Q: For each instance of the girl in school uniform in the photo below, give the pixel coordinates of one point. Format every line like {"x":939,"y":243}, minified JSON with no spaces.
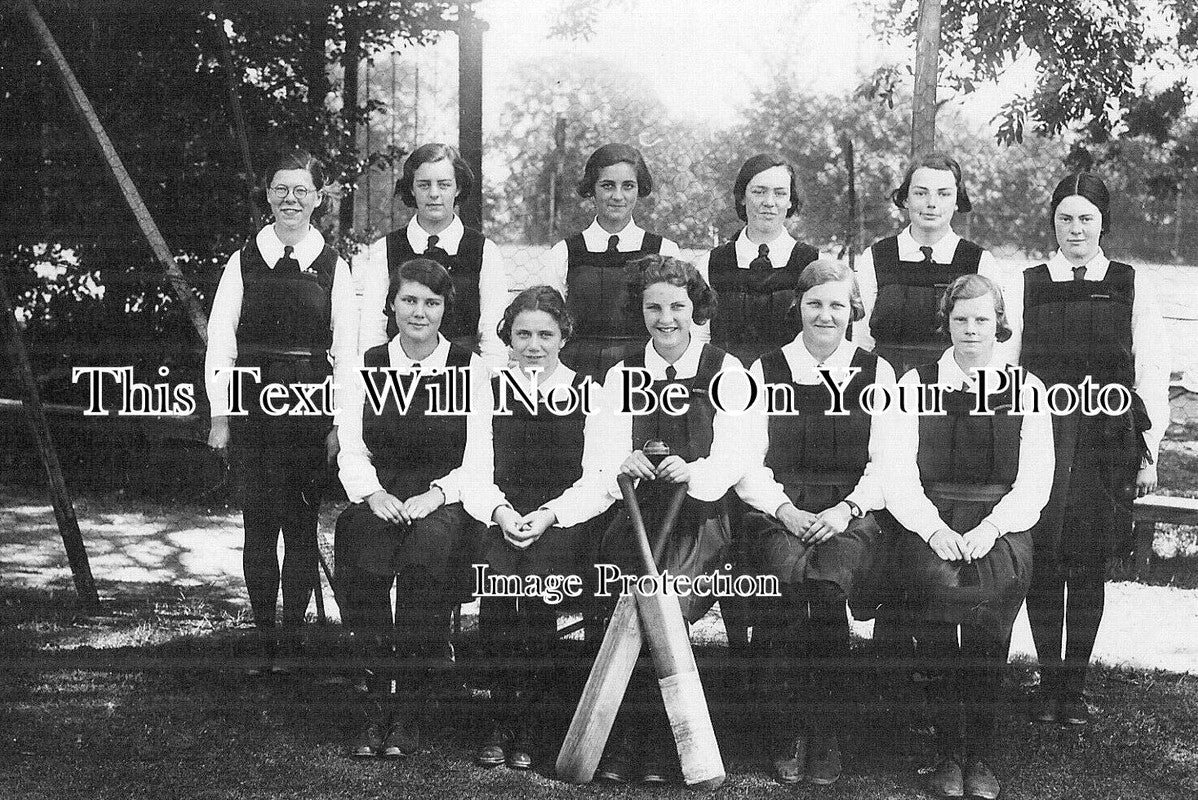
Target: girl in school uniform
{"x":588,"y":267}
{"x":754,"y":274}
{"x":404,"y":470}
{"x":967,"y":488}
{"x":704,"y":453}
{"x":814,"y":482}
{"x":1088,"y":316}
{"x":434,"y":181}
{"x":902,"y":277}
{"x":537,"y":510}
{"x":285,"y":306}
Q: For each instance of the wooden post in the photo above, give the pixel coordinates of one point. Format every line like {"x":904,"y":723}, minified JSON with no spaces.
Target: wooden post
{"x":470,"y":107}
{"x":99,"y":137}
{"x":64,"y":510}
{"x":237,"y":118}
{"x":351,"y":62}
{"x":850,"y":226}
{"x":927,"y":58}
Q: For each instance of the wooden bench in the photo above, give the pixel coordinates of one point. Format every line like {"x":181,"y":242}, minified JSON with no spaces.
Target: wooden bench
{"x":1153,"y":509}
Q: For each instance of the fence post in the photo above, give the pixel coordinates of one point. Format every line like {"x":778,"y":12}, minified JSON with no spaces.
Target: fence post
{"x":927,"y":57}
{"x":470,"y":106}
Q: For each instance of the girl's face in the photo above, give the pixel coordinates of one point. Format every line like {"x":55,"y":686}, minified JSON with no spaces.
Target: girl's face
{"x":825,"y":311}
{"x":767,"y":199}
{"x":1078,"y":224}
{"x":932,"y":201}
{"x":669,"y":315}
{"x":436,"y":190}
{"x":973,"y":325}
{"x":418,"y":313}
{"x":536,"y":340}
{"x":293,"y":212}
{"x":616,"y":195}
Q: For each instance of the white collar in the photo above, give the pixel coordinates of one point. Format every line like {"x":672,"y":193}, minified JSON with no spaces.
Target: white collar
{"x":1061,"y":268}
{"x":631,"y":237}
{"x":803,"y":365}
{"x":780,"y":249}
{"x":687,"y":366}
{"x":448,"y":239}
{"x":563,"y":375}
{"x":435,"y":360}
{"x":305,"y":252}
{"x":949,"y":372}
{"x":942,"y":251}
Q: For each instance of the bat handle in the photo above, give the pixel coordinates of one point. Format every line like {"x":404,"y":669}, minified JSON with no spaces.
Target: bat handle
{"x":667,"y":523}
{"x":640,"y":538}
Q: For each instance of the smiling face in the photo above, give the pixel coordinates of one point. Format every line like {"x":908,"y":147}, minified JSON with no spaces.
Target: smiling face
{"x":931,"y":203}
{"x":293,"y":213}
{"x":436,"y":189}
{"x":615,"y":196}
{"x":1078,"y":224}
{"x":536,"y":341}
{"x":973,"y":325}
{"x":826,"y":311}
{"x":767,"y":199}
{"x":418,"y":313}
{"x":669,"y":315}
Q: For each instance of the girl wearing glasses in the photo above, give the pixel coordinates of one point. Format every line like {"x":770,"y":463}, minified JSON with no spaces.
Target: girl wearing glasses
{"x":284,"y":306}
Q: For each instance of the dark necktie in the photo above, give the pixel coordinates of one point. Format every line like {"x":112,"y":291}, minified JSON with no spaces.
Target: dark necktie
{"x":671,"y":373}
{"x":927,"y":254}
{"x":762,"y":262}
{"x":1079,"y":273}
{"x":287,"y":263}
{"x":432,"y":243}
{"x":613,"y":242}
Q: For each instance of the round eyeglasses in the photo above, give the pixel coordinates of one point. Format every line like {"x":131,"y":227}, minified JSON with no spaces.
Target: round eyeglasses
{"x":300,"y":192}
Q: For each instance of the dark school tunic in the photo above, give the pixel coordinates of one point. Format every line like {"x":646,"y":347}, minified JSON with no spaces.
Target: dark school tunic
{"x":605,"y":329}
{"x":754,"y":302}
{"x":409,"y":451}
{"x":700,"y":539}
{"x":1074,"y":329}
{"x":285,"y":331}
{"x":464,"y":268}
{"x":819,"y":459}
{"x":903,"y":320}
{"x":967,"y":463}
{"x":537,"y":458}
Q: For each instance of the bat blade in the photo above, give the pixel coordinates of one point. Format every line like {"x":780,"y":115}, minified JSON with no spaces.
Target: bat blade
{"x":681,"y":689}
{"x":602,"y":695}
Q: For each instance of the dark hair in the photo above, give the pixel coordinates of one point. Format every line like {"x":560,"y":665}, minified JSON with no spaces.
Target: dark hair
{"x":424,"y":271}
{"x":1087,"y":185}
{"x":428,"y":153}
{"x":755,"y":166}
{"x":819,"y":272}
{"x":651,"y":269}
{"x":608,"y":155}
{"x":969,"y":287}
{"x":940,"y":161}
{"x":537,"y":298}
{"x":296,"y":158}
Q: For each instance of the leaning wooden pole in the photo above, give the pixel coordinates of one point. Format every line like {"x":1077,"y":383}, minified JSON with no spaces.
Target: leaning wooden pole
{"x":83,"y":106}
{"x":64,"y":510}
{"x":927,"y":69}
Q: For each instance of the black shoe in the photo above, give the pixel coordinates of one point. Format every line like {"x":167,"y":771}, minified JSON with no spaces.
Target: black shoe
{"x":403,"y":737}
{"x":617,"y":764}
{"x":947,"y":778}
{"x":494,"y":749}
{"x":656,"y":770}
{"x":1074,"y":710}
{"x":789,"y":758}
{"x":980,"y":780}
{"x":824,"y":767}
{"x":519,"y":751}
{"x":367,"y":742}
{"x":1044,"y":707}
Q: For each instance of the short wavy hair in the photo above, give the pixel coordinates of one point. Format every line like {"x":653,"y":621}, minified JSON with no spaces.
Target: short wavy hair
{"x":969,"y":287}
{"x":608,"y":155}
{"x":940,"y":161}
{"x":427,"y":154}
{"x":753,"y":167}
{"x":297,"y":158}
{"x":537,"y":298}
{"x":651,"y":269}
{"x":819,"y":272}
{"x":423,"y":271}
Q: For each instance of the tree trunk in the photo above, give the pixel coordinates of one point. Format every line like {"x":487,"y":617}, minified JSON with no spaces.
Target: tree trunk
{"x":316,"y":61}
{"x":470,"y":107}
{"x":927,"y":56}
{"x":350,"y":63}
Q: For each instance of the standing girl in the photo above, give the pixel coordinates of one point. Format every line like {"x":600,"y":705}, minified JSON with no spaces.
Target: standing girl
{"x":435,"y":180}
{"x":1088,"y":316}
{"x":284,"y":306}
{"x":967,"y":488}
{"x":404,"y":468}
{"x":545,"y":491}
{"x":588,"y":267}
{"x":902,"y":277}
{"x":814,"y":481}
{"x":704,"y":453}
{"x":755,"y":273}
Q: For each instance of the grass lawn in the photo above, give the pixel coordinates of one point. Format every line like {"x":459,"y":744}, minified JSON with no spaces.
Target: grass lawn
{"x":150,"y":701}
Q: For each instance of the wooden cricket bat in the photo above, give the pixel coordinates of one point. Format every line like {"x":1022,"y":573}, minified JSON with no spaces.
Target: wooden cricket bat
{"x":674,"y":662}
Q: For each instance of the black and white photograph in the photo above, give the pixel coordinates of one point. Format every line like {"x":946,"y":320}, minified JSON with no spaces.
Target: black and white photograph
{"x":599,"y":398}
